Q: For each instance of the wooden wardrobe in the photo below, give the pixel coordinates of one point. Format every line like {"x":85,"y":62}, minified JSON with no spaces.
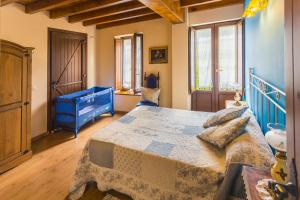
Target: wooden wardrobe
{"x":15,"y":104}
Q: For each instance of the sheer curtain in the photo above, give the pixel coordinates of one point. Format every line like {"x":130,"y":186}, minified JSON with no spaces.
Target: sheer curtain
{"x":227,"y":58}
{"x":216,"y":52}
{"x":126,"y":69}
{"x":203,"y":59}
{"x":138,"y":63}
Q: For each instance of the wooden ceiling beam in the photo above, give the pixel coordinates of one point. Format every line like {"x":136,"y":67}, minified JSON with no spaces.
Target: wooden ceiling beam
{"x":102,"y":12}
{"x":6,"y":2}
{"x":118,"y":17}
{"x":129,"y":21}
{"x":168,"y":9}
{"x":42,"y":5}
{"x":189,"y":3}
{"x":218,"y":4}
{"x":83,"y":7}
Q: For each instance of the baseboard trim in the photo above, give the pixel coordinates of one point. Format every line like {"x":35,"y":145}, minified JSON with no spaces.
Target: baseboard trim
{"x":121,"y":112}
{"x":14,"y":163}
{"x":39,"y":136}
{"x":48,"y":132}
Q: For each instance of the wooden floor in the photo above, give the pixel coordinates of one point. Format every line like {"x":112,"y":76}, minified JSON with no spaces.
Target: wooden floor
{"x":48,"y":174}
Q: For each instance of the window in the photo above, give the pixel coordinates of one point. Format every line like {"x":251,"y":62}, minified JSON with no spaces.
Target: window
{"x":228,"y":57}
{"x":129,"y":62}
{"x":216,"y":57}
{"x":203,"y":61}
{"x":215,"y":64}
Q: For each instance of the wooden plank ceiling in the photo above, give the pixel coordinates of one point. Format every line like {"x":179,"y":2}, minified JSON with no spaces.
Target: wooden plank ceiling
{"x":108,"y":13}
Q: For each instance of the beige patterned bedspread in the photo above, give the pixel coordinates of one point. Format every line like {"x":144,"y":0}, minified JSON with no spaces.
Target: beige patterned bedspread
{"x":152,"y":153}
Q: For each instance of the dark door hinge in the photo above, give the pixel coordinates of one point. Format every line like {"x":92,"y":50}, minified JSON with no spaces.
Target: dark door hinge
{"x":26,"y":54}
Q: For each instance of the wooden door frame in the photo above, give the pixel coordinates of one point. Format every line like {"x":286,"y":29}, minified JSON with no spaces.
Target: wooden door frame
{"x":135,"y":36}
{"x":215,"y":75}
{"x":213,"y":59}
{"x":84,"y":65}
{"x":292,"y":90}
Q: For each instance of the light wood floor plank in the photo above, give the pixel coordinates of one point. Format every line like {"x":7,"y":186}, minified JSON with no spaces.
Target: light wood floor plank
{"x":49,"y":173}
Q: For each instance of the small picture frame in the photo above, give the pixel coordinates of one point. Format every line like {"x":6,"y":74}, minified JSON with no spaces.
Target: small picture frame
{"x":158,"y":55}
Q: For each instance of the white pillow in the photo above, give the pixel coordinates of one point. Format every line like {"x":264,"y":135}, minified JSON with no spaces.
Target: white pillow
{"x":149,"y":94}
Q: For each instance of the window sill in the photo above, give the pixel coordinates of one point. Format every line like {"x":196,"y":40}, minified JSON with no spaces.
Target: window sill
{"x":128,"y":93}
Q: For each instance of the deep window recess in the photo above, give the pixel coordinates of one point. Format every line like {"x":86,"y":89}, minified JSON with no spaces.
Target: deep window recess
{"x":129,"y":63}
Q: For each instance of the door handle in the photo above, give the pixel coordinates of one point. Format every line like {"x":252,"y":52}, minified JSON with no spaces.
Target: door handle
{"x":219,"y":70}
{"x":26,"y":103}
{"x":53,"y":84}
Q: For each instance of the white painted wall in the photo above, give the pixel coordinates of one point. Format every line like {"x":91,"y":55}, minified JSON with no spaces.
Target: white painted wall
{"x":32,"y":31}
{"x":216,"y":15}
{"x":155,"y":33}
{"x":126,"y":103}
{"x":180,"y":92}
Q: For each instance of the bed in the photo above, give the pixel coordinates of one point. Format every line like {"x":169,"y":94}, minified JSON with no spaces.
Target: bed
{"x":153,"y":153}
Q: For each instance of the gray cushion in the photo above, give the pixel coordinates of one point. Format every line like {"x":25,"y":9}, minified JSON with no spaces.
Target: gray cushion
{"x":223,"y":134}
{"x":149,"y":94}
{"x":225,"y":115}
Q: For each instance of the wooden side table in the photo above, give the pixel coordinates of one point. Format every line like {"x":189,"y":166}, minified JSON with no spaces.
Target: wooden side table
{"x":250,"y":177}
{"x":230,"y":103}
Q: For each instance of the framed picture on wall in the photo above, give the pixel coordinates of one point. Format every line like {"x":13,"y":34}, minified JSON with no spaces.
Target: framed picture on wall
{"x":158,"y":55}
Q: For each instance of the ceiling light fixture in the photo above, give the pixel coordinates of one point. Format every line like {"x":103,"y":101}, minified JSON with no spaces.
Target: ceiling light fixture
{"x":254,"y":7}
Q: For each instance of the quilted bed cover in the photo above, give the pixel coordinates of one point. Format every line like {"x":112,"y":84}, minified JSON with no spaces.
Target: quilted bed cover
{"x":153,"y":153}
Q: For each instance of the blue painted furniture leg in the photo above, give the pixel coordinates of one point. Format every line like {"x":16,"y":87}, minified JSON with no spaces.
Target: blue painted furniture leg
{"x":76,"y":133}
{"x":112,"y":112}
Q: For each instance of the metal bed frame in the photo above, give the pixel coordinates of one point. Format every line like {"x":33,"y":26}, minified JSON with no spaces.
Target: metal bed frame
{"x":265,"y":100}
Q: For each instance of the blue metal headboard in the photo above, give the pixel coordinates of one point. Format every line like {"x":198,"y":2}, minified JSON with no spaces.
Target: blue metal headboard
{"x":267,"y":102}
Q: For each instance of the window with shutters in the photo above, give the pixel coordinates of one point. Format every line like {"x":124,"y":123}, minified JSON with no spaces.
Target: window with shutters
{"x":129,"y":63}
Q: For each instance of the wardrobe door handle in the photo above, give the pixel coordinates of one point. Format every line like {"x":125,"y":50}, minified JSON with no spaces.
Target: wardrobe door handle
{"x":26,"y":103}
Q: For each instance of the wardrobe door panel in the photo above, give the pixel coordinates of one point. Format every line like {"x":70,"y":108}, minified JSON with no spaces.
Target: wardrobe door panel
{"x":11,"y":79}
{"x":10,"y":133}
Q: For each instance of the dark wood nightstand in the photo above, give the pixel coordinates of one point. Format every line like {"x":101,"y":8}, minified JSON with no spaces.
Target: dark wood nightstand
{"x":250,"y":177}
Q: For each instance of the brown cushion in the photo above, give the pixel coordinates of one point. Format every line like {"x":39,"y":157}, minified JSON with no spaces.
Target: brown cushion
{"x":221,"y":135}
{"x":225,"y":115}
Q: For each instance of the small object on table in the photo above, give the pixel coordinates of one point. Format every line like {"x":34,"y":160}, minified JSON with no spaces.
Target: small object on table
{"x":260,"y":186}
{"x":268,"y":189}
{"x":125,"y":92}
{"x":237,"y":98}
{"x":264,"y":190}
{"x":251,"y":176}
{"x":238,"y":93}
{"x":232,"y":103}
